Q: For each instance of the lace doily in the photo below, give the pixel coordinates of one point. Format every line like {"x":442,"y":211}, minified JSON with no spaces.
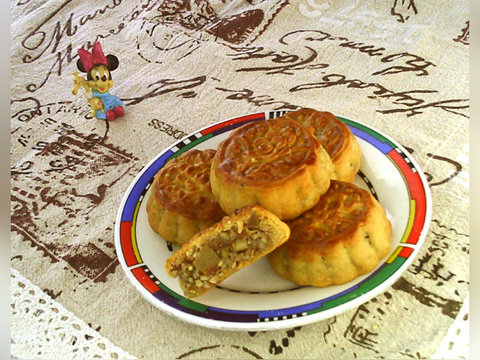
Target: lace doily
{"x":42,"y":328}
{"x":455,"y":345}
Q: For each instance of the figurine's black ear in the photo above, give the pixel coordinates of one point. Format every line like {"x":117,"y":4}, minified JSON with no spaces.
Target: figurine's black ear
{"x":112,"y":62}
{"x":80,"y":66}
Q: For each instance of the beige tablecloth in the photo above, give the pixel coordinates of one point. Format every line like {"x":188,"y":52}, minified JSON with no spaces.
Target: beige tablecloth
{"x":400,"y":66}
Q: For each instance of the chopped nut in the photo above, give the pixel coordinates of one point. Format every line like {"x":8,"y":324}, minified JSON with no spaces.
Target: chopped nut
{"x":206,"y":258}
{"x":240,"y":245}
{"x":239,"y":226}
{"x":224,"y":253}
{"x":223,"y":236}
{"x":253,"y":221}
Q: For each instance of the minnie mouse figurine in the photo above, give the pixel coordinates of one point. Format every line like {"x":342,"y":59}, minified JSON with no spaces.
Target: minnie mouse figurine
{"x":99,"y":80}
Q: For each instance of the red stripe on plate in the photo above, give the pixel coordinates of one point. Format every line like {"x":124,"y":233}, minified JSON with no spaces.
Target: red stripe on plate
{"x":405,"y":252}
{"x":143,"y":278}
{"x":420,"y":202}
{"x":126,"y":242}
{"x":233,"y":121}
{"x":417,"y":193}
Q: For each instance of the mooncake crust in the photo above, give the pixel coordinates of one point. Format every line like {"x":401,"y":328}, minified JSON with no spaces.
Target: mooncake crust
{"x":342,"y":237}
{"x":181,"y":202}
{"x":337,"y":139}
{"x":183,"y":185}
{"x":277,"y":164}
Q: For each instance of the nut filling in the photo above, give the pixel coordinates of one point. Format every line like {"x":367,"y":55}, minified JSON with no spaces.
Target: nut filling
{"x":219,"y":251}
{"x":228,"y":251}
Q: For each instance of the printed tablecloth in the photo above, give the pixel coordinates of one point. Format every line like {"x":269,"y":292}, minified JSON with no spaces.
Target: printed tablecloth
{"x":400,"y":66}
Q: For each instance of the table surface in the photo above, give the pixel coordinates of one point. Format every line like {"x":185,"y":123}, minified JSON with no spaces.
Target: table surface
{"x":399,"y":66}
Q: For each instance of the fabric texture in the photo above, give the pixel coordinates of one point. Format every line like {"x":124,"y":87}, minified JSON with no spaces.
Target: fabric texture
{"x":400,"y":66}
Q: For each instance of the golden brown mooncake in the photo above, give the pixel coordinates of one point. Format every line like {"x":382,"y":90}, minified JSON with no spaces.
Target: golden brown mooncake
{"x":335,"y":137}
{"x":277,"y":164}
{"x":226,"y":247}
{"x":343,"y":236}
{"x":181,"y":202}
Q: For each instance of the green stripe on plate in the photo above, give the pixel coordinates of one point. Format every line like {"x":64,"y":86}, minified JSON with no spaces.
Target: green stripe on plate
{"x":191,"y":145}
{"x":183,"y":301}
{"x":193,"y":305}
{"x":364,"y":287}
{"x":368,"y":131}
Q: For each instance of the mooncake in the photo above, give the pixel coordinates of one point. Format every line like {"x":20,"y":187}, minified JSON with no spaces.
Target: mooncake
{"x":181,"y":202}
{"x":277,"y":164}
{"x":343,"y":236}
{"x":335,"y":137}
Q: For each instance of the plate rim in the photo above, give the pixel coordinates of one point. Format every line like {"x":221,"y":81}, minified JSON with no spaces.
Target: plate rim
{"x":284,"y":323}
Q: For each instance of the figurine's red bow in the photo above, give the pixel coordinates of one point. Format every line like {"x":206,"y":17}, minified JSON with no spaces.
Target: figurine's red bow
{"x":96,"y":57}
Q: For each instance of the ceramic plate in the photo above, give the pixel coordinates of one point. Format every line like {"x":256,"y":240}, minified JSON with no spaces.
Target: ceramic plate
{"x":256,"y":298}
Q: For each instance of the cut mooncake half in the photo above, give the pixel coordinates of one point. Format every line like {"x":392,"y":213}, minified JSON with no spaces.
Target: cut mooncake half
{"x":277,"y":164}
{"x":223,"y":249}
{"x":181,"y":202}
{"x":343,"y":236}
{"x":335,"y":137}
